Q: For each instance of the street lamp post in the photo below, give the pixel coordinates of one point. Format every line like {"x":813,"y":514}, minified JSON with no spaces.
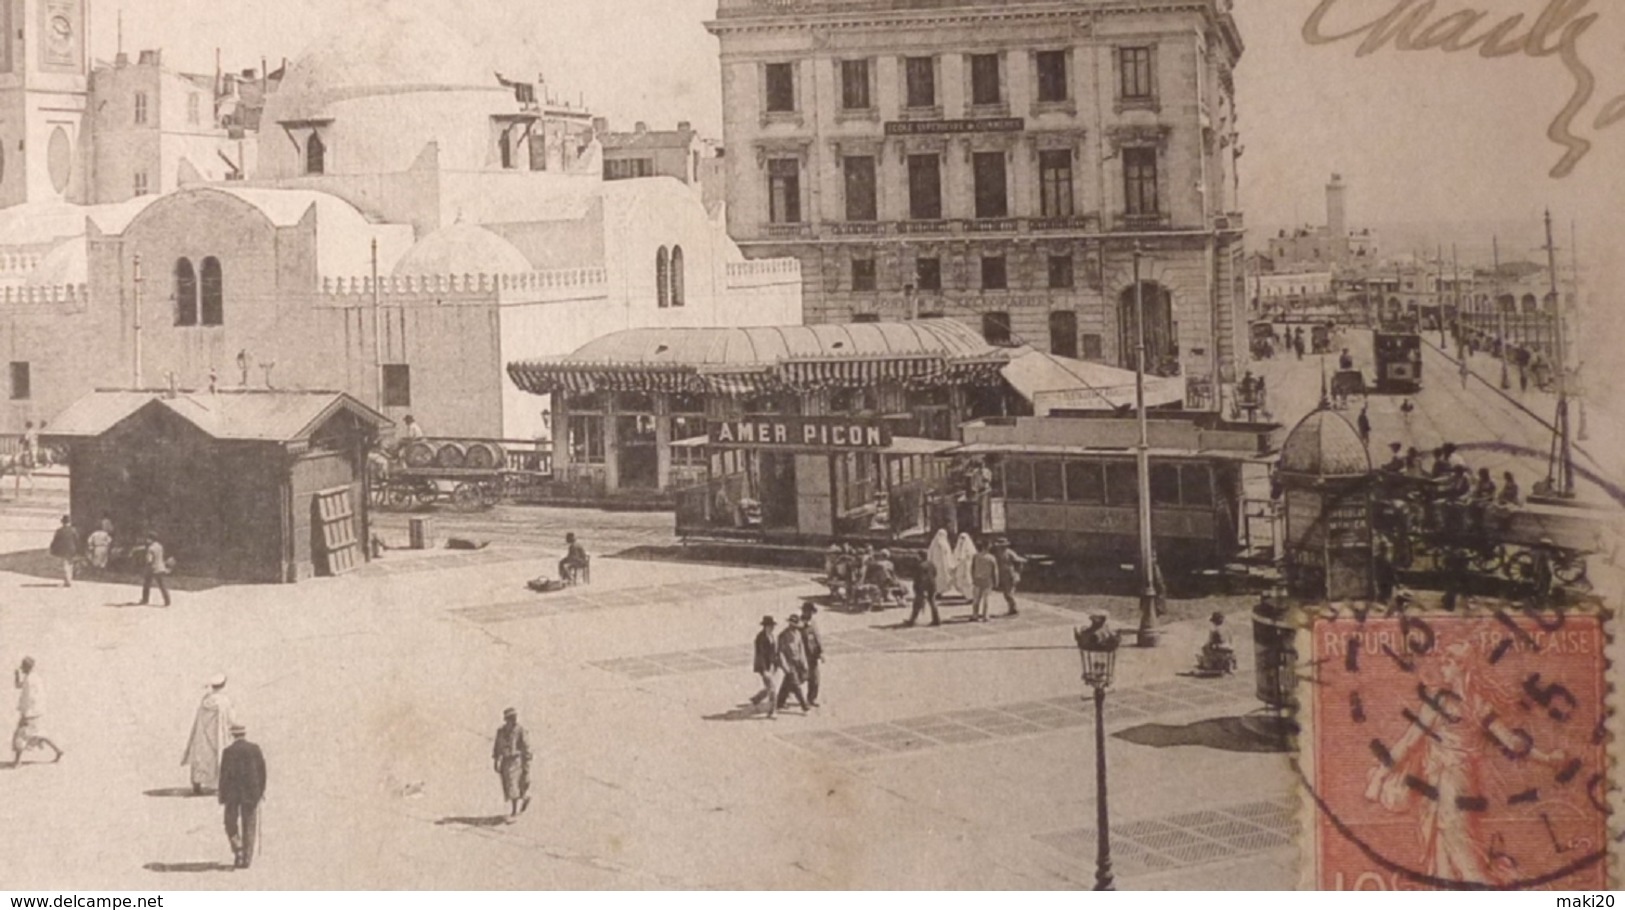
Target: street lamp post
{"x":1142,"y":458}
{"x":1097,"y":648}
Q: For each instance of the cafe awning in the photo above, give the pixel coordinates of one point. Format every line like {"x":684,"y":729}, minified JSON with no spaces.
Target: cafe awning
{"x":1051,"y":383}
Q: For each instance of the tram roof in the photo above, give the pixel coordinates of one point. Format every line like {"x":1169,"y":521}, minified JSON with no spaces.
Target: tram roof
{"x":1062,"y":451}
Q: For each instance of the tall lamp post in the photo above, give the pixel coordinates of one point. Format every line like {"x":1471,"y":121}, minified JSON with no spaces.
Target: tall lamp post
{"x":1097,"y":647}
{"x":1142,"y":460}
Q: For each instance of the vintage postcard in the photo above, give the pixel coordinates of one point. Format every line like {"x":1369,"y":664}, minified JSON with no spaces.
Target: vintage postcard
{"x":811,"y":444}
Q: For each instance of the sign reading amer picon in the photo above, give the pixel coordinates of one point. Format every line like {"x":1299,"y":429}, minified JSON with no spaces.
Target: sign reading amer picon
{"x":845,"y":433}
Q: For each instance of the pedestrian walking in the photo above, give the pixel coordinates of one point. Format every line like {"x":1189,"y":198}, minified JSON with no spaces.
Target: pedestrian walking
{"x":1406,"y":409}
{"x":30,"y":734}
{"x":211,"y":730}
{"x":65,"y":547}
{"x":99,"y":545}
{"x":242,"y":789}
{"x":1363,"y":424}
{"x":510,"y":758}
{"x":766,"y":666}
{"x":1464,"y":370}
{"x":813,"y":645}
{"x":984,"y":571}
{"x":926,"y":573}
{"x":1010,"y":563}
{"x":793,"y":661}
{"x":155,"y":568}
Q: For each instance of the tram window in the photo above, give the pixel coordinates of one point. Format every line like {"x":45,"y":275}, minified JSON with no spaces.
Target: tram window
{"x":1165,"y":485}
{"x":1196,"y":486}
{"x":1018,"y":480}
{"x":1085,"y":482}
{"x":1047,"y":484}
{"x":1122,"y":484}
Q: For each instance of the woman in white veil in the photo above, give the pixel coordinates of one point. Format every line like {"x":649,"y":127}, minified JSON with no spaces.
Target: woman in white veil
{"x":940,"y":556}
{"x":963,"y":552}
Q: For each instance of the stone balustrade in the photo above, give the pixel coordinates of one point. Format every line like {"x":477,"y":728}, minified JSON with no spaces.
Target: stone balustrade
{"x":396,"y":290}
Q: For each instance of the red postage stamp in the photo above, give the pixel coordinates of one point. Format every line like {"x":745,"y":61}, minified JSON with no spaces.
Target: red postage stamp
{"x":1457,"y":751}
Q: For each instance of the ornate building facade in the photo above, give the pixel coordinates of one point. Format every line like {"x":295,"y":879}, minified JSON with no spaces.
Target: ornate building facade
{"x":997,"y":162}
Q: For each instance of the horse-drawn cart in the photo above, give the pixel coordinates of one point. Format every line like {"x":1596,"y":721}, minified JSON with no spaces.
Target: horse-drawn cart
{"x":469,"y":474}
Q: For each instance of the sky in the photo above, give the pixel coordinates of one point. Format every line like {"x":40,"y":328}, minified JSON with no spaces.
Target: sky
{"x":1451,"y":147}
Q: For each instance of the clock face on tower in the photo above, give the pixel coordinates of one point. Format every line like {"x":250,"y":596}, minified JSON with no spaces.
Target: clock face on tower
{"x":59,"y":39}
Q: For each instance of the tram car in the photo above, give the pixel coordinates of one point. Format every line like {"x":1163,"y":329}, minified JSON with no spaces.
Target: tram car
{"x":1068,"y":487}
{"x":1398,"y":358}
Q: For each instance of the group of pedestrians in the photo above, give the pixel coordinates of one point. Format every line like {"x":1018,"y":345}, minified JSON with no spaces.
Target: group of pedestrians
{"x":96,"y":552}
{"x":974,"y":573}
{"x":788,"y":659}
{"x":222,"y":761}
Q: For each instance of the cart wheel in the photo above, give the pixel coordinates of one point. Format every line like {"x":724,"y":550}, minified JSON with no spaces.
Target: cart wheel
{"x":425,"y":492}
{"x":466,"y":497}
{"x":490,"y":493}
{"x":1520,"y":567}
{"x":1491,"y":560}
{"x":1570,"y":569}
{"x":399,"y":496}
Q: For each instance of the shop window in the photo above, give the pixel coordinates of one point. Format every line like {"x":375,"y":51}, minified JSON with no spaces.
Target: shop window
{"x":1122,"y":484}
{"x":315,"y":154}
{"x":1047,"y":481}
{"x":1165,"y":485}
{"x":924,"y":187}
{"x":212,"y":308}
{"x":662,"y":278}
{"x":863,"y":275}
{"x":985,"y":79}
{"x":920,"y":74}
{"x":928,"y":273}
{"x":586,"y":439}
{"x":634,"y":402}
{"x":994,"y":274}
{"x":1140,"y":181}
{"x":679,"y":289}
{"x":1060,"y":272}
{"x":185,"y":292}
{"x":1018,"y":480}
{"x":1055,"y":182}
{"x":996,"y":328}
{"x":588,"y":402}
{"x":992,"y":197}
{"x":860,"y":188}
{"x":686,"y":403}
{"x":22,"y":385}
{"x":1052,"y":81}
{"x":855,"y":85}
{"x":784,"y":190}
{"x":1085,"y":482}
{"x":781,"y":88}
{"x":397,"y":381}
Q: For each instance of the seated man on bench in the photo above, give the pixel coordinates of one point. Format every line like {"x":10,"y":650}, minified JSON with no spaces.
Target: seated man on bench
{"x":576,"y":566}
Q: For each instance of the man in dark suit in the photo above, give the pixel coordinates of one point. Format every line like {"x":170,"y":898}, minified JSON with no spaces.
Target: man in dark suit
{"x":814,"y":647}
{"x":242,"y":786}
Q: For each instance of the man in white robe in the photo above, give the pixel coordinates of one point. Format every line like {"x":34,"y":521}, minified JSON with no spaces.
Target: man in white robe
{"x":209,"y":736}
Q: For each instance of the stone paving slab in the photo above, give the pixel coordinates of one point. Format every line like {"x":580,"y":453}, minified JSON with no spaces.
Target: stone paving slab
{"x":577,"y":600}
{"x":1187,"y":839}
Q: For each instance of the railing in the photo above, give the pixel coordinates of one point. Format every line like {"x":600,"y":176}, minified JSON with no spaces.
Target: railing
{"x":1150,"y":221}
{"x":395,"y":289}
{"x":763,"y":272}
{"x":1089,"y":223}
{"x":54,"y":294}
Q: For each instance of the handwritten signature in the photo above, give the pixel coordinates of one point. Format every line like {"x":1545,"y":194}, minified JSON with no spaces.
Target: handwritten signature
{"x":1416,"y":26}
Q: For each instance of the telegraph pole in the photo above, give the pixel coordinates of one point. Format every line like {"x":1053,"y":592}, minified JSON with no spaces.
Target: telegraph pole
{"x":1562,"y":474}
{"x":1142,"y":459}
{"x":377,"y":335}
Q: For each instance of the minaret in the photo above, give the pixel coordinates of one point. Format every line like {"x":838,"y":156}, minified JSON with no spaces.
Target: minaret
{"x":1337,"y":224}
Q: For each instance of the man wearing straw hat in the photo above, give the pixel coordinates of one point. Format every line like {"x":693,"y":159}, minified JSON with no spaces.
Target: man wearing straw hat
{"x":242,"y":787}
{"x":210,"y":731}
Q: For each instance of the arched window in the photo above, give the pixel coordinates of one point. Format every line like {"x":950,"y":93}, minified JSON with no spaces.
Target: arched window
{"x":678,"y":291}
{"x":185,"y":292}
{"x":213,"y":304}
{"x":663,"y":278}
{"x":315,"y":155}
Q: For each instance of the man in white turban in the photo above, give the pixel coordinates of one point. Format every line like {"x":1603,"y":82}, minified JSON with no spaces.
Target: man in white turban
{"x":209,"y":736}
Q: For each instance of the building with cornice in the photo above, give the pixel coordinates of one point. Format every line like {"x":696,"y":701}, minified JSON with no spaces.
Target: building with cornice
{"x":997,"y":161}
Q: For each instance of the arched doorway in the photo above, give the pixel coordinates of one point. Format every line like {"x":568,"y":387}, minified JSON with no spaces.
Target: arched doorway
{"x":1161,"y":337}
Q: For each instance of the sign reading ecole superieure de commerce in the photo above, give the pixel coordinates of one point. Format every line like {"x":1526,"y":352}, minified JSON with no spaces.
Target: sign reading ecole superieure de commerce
{"x":800,"y":433}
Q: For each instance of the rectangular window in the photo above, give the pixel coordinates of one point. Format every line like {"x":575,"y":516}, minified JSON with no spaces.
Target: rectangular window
{"x":141,"y":187}
{"x":1137,"y":75}
{"x":1122,"y":484}
{"x":628,"y":168}
{"x":1063,"y":333}
{"x":1196,"y":486}
{"x":22,"y":386}
{"x":140,"y":107}
{"x":1018,"y":480}
{"x":996,"y":328}
{"x":1094,"y":347}
{"x":984,"y":79}
{"x":924,"y":187}
{"x":928,"y":273}
{"x":865,"y":317}
{"x":855,"y":85}
{"x":994,"y":274}
{"x":1164,"y":485}
{"x":1055,"y":182}
{"x":860,"y":188}
{"x":1052,"y":82}
{"x":781,"y":88}
{"x":1140,"y":181}
{"x":1060,"y":273}
{"x":863,"y":274}
{"x":920,"y":74}
{"x":397,"y":385}
{"x":586,"y":439}
{"x":784,"y":190}
{"x":1085,"y":482}
{"x":992,"y":199}
{"x":1047,"y":484}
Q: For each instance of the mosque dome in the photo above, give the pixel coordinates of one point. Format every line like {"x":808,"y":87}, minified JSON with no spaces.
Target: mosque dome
{"x":463,"y":249}
{"x":1325,"y":444}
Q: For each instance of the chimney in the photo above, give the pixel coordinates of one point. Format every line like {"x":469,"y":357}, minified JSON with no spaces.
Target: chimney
{"x":122,"y":59}
{"x":151,"y":58}
{"x":250,"y":74}
{"x":684,"y":126}
{"x":640,"y":128}
{"x":174,"y":387}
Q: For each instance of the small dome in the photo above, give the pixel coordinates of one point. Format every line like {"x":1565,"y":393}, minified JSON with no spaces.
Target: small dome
{"x":463,"y":249}
{"x":1325,"y":444}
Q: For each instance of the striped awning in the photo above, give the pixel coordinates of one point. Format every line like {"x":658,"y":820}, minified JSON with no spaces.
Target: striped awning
{"x":545,"y":377}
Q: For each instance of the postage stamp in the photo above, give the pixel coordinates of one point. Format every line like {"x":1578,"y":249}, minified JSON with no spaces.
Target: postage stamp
{"x":1444,"y":750}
